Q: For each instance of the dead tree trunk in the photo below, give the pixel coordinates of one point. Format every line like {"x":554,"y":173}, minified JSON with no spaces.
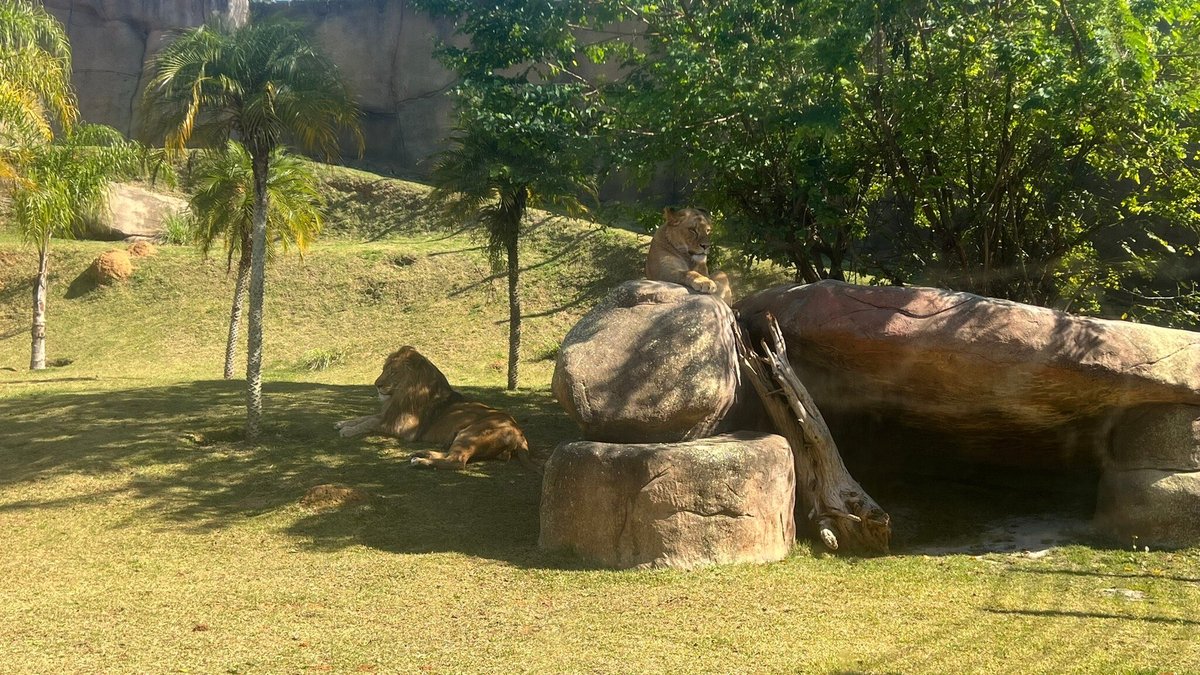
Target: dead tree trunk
{"x":838,"y":510}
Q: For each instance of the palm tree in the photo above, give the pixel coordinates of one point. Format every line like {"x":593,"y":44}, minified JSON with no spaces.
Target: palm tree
{"x":259,"y":85}
{"x":223,"y":204}
{"x":516,"y":145}
{"x":35,"y":81}
{"x":52,"y":180}
{"x":60,"y":182}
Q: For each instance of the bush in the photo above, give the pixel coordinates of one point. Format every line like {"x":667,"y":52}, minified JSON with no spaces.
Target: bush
{"x":179,"y":229}
{"x":321,"y":359}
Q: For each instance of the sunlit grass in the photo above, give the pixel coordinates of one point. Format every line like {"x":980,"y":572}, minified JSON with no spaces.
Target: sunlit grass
{"x":138,"y":533}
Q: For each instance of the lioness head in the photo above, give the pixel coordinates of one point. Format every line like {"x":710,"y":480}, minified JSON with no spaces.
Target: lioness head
{"x":689,"y":231}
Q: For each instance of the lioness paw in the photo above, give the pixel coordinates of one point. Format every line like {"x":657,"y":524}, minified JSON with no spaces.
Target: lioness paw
{"x":705,"y":285}
{"x":420,"y":461}
{"x":347,"y":432}
{"x":343,"y":423}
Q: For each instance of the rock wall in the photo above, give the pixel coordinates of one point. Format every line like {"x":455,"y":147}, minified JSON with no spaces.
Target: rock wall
{"x":111,"y":40}
{"x":384,"y":49}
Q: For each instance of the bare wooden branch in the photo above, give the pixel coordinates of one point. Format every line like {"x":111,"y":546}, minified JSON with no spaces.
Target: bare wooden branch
{"x":839,"y":512}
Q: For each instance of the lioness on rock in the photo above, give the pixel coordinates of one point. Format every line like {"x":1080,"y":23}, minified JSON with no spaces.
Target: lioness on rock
{"x":679,"y":253}
{"x":420,"y":405}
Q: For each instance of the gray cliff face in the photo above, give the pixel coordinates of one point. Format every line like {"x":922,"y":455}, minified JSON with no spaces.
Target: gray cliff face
{"x":383,"y":49}
{"x":111,"y":40}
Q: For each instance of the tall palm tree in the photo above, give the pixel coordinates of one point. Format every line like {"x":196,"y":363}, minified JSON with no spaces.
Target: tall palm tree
{"x":59,"y":183}
{"x":223,"y":203}
{"x":259,"y":85}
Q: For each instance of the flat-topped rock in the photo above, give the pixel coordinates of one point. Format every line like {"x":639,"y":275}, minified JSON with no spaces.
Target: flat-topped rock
{"x":717,"y":500}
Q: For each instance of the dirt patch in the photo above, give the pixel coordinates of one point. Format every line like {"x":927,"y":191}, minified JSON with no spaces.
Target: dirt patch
{"x":332,"y":496}
{"x":112,"y":266}
{"x":141,"y":249}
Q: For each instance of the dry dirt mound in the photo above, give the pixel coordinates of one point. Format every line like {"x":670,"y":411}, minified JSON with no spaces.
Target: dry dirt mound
{"x":332,"y":496}
{"x":112,"y":266}
{"x":142,"y":249}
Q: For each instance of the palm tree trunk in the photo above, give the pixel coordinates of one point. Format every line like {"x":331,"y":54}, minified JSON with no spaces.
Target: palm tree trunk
{"x":258,"y":268}
{"x":235,"y":314}
{"x":37,"y":358}
{"x":514,"y":291}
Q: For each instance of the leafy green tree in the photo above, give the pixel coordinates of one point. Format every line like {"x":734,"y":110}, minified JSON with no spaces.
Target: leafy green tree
{"x":61,"y":182}
{"x":260,"y":85}
{"x":223,"y":206}
{"x":1037,"y":150}
{"x":525,"y":131}
{"x":56,"y":170}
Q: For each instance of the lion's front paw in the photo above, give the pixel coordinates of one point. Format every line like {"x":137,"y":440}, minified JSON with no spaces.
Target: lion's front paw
{"x":420,"y":460}
{"x":341,"y":424}
{"x":347,"y":432}
{"x":705,"y":285}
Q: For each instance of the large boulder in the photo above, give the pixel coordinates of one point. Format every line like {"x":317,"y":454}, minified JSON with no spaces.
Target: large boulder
{"x":723,"y":499}
{"x":1024,"y":381}
{"x":133,"y":213}
{"x":653,"y":362}
{"x":1006,"y":383}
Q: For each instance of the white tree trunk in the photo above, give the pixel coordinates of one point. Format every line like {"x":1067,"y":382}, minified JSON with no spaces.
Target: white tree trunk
{"x":37,"y":358}
{"x":235,"y":314}
{"x":258,"y":269}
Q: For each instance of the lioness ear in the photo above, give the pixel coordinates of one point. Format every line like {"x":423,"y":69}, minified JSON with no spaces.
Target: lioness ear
{"x":669,"y":213}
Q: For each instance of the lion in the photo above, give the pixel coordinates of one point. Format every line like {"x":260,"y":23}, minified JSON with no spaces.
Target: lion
{"x":420,"y":405}
{"x":679,"y":253}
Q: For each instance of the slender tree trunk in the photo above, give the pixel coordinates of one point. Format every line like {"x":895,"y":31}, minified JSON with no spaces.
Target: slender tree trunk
{"x":514,"y":313}
{"x":235,"y":314}
{"x":37,"y":358}
{"x":258,"y":268}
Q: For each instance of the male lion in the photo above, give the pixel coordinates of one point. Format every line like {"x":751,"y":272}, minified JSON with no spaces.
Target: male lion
{"x":679,"y":253}
{"x":420,"y":405}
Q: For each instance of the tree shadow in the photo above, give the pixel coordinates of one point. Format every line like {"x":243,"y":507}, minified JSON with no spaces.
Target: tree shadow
{"x":189,"y":468}
{"x":1059,"y":613}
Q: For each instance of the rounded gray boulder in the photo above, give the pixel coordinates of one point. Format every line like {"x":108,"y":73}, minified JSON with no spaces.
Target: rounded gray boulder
{"x":653,"y":362}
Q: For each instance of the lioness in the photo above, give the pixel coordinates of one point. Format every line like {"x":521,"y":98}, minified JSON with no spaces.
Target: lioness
{"x":679,"y":253}
{"x":420,"y":405}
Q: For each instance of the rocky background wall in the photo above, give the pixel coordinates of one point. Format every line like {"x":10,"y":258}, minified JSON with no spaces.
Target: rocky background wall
{"x":111,"y":40}
{"x":384,"y":49}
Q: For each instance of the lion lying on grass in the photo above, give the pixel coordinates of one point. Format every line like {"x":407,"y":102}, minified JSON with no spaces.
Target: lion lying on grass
{"x":420,"y":405}
{"x":679,"y":253}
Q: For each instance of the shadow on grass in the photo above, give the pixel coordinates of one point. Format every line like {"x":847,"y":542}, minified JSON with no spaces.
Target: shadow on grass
{"x":1057,"y":613}
{"x":180,"y":444}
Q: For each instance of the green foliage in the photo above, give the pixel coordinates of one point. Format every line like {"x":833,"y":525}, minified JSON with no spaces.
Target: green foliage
{"x":1034,"y":150}
{"x":179,"y":229}
{"x":263,"y":84}
{"x":260,"y":85}
{"x":527,"y":125}
{"x":223,"y":201}
{"x":316,"y":360}
{"x":66,"y":179}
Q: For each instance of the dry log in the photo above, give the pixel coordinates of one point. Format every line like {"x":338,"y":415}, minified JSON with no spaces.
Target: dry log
{"x":838,"y":510}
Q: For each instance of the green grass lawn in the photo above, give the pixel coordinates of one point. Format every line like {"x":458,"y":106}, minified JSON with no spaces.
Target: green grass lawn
{"x":139,"y":534}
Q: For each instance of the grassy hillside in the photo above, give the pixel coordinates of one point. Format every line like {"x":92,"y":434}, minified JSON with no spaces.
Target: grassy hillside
{"x":139,"y":534}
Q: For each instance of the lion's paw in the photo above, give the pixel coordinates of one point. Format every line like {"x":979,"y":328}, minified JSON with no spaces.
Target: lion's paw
{"x":705,"y":285}
{"x":341,"y":424}
{"x":347,"y":432}
{"x":420,"y":461}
